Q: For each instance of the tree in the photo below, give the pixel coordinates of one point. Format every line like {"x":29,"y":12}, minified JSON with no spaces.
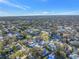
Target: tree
{"x":44,"y":35}
{"x":36,"y":52}
{"x":1,"y":45}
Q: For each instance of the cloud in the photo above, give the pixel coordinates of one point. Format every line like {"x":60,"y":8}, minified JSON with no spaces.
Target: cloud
{"x":54,"y":13}
{"x":2,"y":1}
{"x":68,"y":13}
{"x":5,"y":13}
{"x":1,"y":12}
{"x":63,"y":13}
{"x":14,"y":5}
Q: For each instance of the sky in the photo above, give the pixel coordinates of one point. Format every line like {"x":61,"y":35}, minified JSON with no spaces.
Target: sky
{"x":38,"y":7}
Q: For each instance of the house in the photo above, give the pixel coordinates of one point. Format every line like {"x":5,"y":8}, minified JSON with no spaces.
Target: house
{"x":1,"y":38}
{"x":55,"y":36}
